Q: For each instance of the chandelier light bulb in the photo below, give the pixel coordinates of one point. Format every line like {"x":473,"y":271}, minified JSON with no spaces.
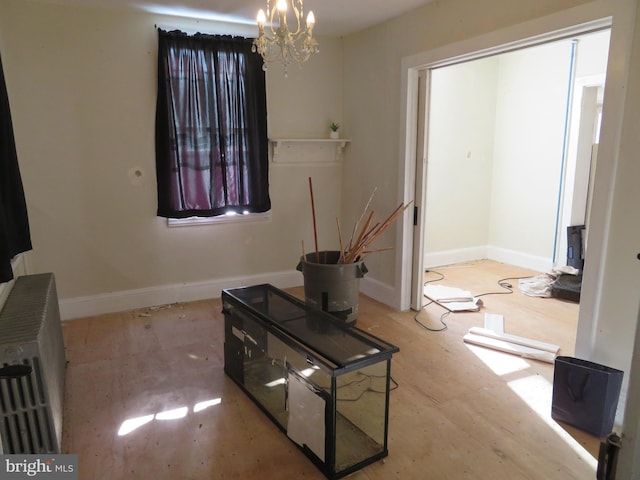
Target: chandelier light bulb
{"x":282,"y":5}
{"x":262,"y":18}
{"x":311,"y":20}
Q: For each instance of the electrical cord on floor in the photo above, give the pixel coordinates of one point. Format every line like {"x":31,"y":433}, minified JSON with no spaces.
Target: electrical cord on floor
{"x":362,"y":378}
{"x":390,"y":378}
{"x":504,"y":284}
{"x":442,"y":317}
{"x":368,"y":389}
{"x":394,"y":381}
{"x":435,"y":279}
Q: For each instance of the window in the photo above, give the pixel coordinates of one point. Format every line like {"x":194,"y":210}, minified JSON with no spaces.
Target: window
{"x":211,"y":127}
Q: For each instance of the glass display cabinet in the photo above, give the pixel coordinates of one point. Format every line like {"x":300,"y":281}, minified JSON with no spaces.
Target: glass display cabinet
{"x":326,"y":385}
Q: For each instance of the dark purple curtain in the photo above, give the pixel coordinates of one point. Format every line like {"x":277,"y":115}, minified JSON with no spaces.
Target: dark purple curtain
{"x":14,"y":224}
{"x":211,"y":126}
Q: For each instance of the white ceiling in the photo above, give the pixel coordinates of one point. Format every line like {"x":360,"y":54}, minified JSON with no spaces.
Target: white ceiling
{"x":333,"y":17}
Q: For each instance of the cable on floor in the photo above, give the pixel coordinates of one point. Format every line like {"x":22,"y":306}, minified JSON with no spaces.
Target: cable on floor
{"x":442,"y":317}
{"x":504,"y":284}
{"x":435,"y":279}
{"x":368,"y":388}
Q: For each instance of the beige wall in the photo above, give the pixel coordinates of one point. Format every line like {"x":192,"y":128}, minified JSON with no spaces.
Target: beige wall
{"x":82,"y":87}
{"x":530,"y":120}
{"x":609,"y":310}
{"x":462,"y":112}
{"x":372,"y":108}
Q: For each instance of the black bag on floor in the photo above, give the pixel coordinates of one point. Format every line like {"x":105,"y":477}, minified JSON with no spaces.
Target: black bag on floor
{"x":585,"y":395}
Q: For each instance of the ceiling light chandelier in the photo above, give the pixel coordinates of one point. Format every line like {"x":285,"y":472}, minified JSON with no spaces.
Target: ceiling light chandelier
{"x":277,"y":42}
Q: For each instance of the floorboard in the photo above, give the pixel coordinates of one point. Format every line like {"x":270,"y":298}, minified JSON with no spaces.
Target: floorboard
{"x":146,"y":395}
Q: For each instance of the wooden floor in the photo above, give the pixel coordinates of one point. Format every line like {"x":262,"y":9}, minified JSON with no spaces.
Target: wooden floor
{"x":146,"y":395}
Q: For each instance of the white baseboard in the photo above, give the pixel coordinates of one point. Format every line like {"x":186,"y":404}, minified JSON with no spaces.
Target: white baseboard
{"x":519,"y":259}
{"x":166,"y":294}
{"x":449,"y":257}
{"x":90,"y":305}
{"x":79,"y":307}
{"x":503,"y":255}
{"x":379,"y":291}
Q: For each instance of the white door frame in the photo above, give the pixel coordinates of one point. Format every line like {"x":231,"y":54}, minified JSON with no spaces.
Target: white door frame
{"x":420,"y":195}
{"x":578,"y":184}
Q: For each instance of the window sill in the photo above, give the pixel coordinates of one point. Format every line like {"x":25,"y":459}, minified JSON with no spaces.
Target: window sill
{"x":222,"y":219}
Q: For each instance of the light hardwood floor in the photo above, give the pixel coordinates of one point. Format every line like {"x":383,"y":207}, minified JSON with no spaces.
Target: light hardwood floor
{"x":147,"y":398}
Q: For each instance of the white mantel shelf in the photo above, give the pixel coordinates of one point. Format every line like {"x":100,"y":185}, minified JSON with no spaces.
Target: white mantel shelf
{"x":309,"y":144}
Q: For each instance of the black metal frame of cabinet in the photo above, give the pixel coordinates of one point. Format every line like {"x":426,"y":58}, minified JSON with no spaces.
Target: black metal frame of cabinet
{"x":262,"y":322}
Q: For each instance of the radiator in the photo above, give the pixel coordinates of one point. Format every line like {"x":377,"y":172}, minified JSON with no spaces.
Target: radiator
{"x":32,"y":371}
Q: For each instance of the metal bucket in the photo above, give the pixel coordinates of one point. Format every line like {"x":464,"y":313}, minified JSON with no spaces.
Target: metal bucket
{"x":330,"y":286}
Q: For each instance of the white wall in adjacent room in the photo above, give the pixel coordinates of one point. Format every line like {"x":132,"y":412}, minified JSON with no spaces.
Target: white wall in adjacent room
{"x":495,"y":163}
{"x":462,"y":112}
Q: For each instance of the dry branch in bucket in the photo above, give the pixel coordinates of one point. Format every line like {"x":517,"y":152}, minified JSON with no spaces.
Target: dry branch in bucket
{"x":361,"y":242}
{"x":355,"y":252}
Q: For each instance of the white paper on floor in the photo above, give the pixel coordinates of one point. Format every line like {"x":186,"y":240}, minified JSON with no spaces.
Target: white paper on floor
{"x":494,"y":322}
{"x":452,"y":298}
{"x":493,"y":336}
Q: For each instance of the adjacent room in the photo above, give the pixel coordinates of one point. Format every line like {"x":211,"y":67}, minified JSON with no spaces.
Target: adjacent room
{"x":141,"y":389}
{"x":505,"y":175}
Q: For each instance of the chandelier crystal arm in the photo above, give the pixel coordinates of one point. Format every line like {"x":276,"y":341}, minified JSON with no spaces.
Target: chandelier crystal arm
{"x":299,"y":14}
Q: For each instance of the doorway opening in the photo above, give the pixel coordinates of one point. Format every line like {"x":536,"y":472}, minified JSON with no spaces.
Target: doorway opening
{"x":508,"y":141}
{"x":508,"y":136}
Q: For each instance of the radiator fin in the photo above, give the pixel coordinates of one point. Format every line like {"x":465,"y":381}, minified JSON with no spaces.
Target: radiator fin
{"x":31,"y":335}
